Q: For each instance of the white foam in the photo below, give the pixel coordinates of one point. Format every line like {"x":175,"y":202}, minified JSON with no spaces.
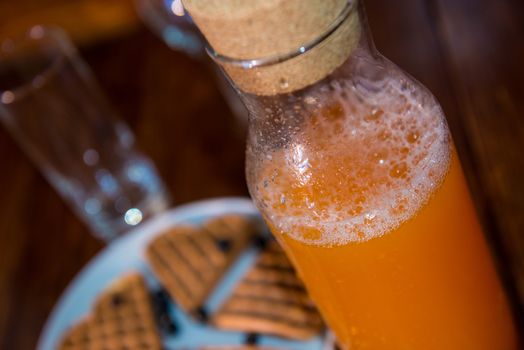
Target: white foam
{"x":401,"y":132}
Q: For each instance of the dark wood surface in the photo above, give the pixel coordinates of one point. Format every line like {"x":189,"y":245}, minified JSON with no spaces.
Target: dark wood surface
{"x":470,"y":54}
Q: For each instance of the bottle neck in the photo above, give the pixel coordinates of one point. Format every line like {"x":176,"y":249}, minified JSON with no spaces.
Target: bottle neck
{"x":361,"y":61}
{"x":274,"y":120}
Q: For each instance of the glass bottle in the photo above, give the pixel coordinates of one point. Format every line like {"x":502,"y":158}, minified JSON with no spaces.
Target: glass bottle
{"x":357,"y":177}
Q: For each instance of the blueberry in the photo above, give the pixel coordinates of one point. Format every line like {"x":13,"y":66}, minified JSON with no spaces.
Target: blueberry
{"x":168,"y":325}
{"x":224,"y":244}
{"x":251,"y":339}
{"x":261,"y":241}
{"x":161,"y":300}
{"x":117,"y":300}
{"x":201,"y":314}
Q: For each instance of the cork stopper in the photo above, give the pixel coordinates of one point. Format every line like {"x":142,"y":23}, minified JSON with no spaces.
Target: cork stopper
{"x":258,"y":29}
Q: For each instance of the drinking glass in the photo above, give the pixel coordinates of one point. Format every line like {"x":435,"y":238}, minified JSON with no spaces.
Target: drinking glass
{"x":53,"y":107}
{"x":178,"y":32}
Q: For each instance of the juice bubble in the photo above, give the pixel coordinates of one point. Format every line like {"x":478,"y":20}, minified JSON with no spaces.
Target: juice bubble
{"x":359,"y":166}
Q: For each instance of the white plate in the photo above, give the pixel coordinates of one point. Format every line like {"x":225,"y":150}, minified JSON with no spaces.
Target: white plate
{"x":126,"y":254}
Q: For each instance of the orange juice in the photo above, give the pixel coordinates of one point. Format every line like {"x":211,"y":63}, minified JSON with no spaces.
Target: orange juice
{"x":370,"y":203}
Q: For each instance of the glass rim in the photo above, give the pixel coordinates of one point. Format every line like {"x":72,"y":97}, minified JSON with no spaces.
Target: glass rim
{"x":248,"y":63}
{"x":53,"y":36}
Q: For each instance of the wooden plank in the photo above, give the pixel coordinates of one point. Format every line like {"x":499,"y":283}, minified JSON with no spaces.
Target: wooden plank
{"x":86,"y":21}
{"x":482,"y":43}
{"x":187,"y":128}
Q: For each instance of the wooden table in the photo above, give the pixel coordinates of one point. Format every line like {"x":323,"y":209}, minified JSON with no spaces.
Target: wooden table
{"x":469,"y":53}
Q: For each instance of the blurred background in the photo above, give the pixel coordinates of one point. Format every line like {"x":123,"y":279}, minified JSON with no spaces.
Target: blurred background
{"x":469,"y":53}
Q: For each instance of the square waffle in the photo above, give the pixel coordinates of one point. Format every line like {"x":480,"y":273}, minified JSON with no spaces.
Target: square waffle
{"x":190,"y":260}
{"x":270,"y":299}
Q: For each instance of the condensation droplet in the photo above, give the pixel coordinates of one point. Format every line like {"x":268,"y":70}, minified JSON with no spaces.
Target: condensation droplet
{"x":37,"y":32}
{"x":310,"y":204}
{"x":7,"y":97}
{"x":375,"y":115}
{"x":399,"y":170}
{"x":92,"y":206}
{"x":413,"y":137}
{"x":369,"y":217}
{"x":91,"y":157}
{"x":384,"y":134}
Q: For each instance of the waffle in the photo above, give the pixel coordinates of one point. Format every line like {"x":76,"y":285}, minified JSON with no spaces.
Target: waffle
{"x":189,"y":260}
{"x":121,"y":318}
{"x":270,"y":299}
